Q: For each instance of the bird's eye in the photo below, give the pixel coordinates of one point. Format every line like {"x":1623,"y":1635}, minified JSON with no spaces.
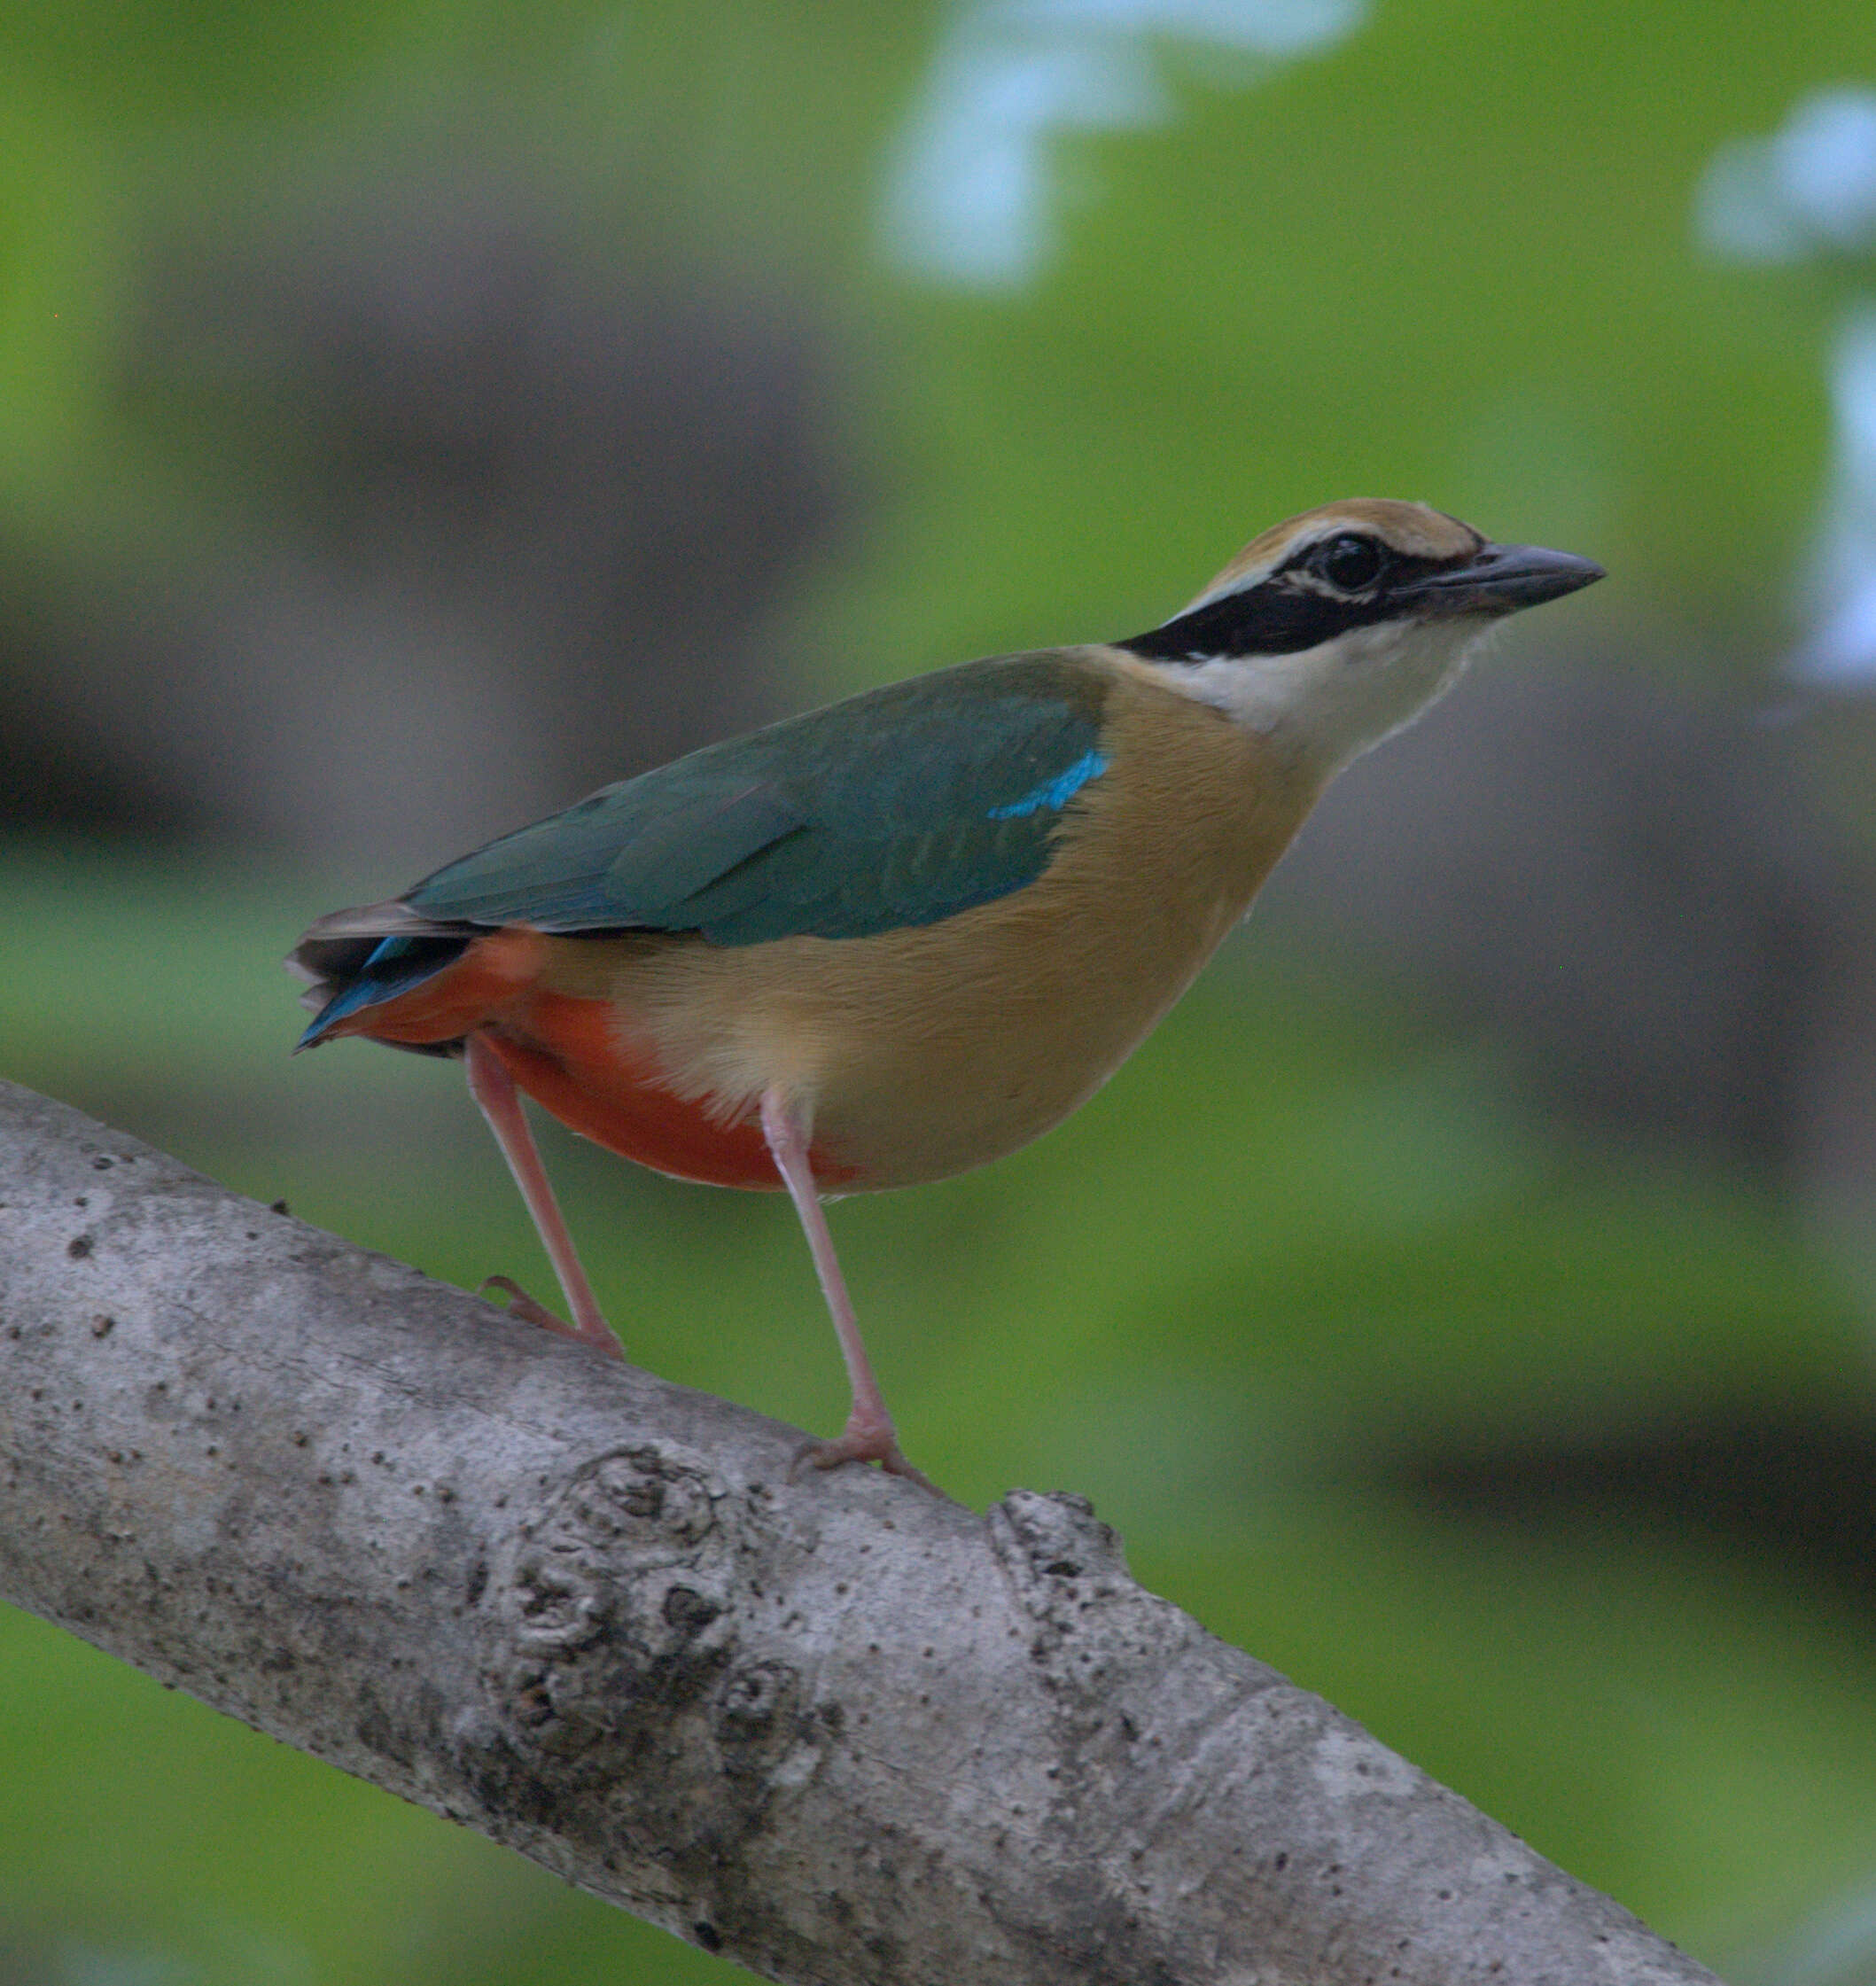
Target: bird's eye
{"x":1349,"y":562}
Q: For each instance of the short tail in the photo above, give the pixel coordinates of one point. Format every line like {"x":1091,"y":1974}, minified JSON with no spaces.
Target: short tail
{"x":356,"y":959}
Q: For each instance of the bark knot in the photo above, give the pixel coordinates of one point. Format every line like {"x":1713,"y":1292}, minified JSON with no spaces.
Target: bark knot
{"x":610,"y":1605}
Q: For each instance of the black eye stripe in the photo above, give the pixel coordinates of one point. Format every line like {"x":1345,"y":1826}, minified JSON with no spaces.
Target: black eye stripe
{"x":1296,"y":607}
{"x":1277,"y":618}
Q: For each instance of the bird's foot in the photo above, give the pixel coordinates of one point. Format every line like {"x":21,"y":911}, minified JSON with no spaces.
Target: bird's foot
{"x":524,"y":1307}
{"x":863,"y":1443}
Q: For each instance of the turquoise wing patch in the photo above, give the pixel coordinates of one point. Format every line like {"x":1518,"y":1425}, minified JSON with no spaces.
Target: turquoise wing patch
{"x":1054,"y":794}
{"x":895,"y":808}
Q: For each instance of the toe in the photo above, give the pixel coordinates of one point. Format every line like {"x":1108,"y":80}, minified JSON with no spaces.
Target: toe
{"x":863,"y":1445}
{"x":524,"y":1307}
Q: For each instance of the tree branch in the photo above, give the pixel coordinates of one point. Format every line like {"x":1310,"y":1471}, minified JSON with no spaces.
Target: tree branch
{"x":836,"y":1728}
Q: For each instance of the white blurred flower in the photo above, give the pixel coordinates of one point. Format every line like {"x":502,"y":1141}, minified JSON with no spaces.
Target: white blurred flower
{"x":969,"y":187}
{"x":1840,"y":648}
{"x":1809,"y":189}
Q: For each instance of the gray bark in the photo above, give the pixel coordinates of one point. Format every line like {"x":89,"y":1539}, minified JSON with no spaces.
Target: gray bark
{"x":836,"y":1729}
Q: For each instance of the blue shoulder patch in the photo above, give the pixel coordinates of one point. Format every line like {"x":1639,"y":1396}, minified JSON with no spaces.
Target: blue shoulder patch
{"x":1055,"y":793}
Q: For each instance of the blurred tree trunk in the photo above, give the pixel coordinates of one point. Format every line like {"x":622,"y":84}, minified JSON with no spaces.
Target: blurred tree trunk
{"x":835,"y":1729}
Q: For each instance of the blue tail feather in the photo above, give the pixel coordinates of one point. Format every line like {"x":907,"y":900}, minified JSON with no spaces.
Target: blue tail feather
{"x":393,"y":967}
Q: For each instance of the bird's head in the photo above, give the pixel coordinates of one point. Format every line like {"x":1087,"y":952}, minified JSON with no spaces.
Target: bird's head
{"x":1336,"y":628}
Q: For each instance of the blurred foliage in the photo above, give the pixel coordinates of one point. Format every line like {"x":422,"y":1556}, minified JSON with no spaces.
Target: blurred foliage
{"x":1452,"y":255}
{"x":1302,"y":1234}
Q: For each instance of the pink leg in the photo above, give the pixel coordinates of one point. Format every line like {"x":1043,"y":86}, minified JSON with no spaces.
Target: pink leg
{"x":869,"y":1434}
{"x":493,"y":1088}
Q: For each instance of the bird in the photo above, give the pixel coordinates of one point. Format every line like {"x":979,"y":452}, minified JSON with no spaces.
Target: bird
{"x":903,"y":934}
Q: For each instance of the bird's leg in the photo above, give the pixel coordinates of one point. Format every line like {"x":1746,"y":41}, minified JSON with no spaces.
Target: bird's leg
{"x":869,"y":1434}
{"x":494,"y":1089}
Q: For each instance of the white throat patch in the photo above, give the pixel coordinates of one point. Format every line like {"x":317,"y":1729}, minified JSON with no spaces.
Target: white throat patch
{"x":1328,"y":703}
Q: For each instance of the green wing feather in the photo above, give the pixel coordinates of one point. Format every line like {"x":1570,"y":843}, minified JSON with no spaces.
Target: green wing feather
{"x":897,"y":807}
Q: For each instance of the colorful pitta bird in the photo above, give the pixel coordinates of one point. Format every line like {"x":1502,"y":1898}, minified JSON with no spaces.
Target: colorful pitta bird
{"x":903,"y":935}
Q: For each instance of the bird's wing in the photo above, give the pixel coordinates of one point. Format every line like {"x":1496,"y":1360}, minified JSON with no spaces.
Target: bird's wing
{"x":897,"y":807}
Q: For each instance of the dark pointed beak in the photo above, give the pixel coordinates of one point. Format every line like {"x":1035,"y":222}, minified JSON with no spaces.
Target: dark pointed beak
{"x":1503,"y":578}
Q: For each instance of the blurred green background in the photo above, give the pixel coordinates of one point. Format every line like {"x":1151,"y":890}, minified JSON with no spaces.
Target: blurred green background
{"x":413,"y":415}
